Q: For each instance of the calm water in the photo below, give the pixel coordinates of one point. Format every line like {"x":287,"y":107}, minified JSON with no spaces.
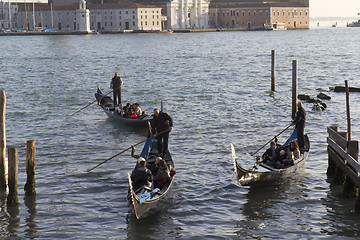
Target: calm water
{"x":216,"y":88}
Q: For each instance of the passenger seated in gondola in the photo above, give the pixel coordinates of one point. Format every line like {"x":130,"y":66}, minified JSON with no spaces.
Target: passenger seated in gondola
{"x":137,"y":109}
{"x":270,"y":154}
{"x":127,"y":110}
{"x":119,"y":109}
{"x":141,"y":175}
{"x":293,"y":153}
{"x":162,"y":174}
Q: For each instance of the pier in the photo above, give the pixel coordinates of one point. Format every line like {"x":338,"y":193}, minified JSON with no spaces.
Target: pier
{"x":343,"y":158}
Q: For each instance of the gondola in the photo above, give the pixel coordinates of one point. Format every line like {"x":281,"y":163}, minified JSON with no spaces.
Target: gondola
{"x":107,"y":104}
{"x":263,"y":174}
{"x":146,"y":201}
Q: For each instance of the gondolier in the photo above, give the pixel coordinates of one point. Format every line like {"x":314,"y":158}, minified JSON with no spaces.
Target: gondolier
{"x":300,"y":118}
{"x":161,"y":122}
{"x":116,"y":83}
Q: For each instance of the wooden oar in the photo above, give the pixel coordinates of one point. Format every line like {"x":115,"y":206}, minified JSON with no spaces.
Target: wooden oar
{"x":273,"y":138}
{"x":90,"y":104}
{"x":167,"y":130}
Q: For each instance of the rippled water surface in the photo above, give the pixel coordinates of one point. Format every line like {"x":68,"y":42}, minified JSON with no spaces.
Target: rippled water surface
{"x":216,"y":88}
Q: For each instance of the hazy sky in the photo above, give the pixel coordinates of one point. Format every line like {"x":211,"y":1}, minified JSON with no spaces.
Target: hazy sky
{"x":334,"y":8}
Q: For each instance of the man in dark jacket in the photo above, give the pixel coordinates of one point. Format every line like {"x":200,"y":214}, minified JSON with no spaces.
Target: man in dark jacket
{"x":300,"y":118}
{"x":116,"y":83}
{"x":141,"y":175}
{"x":161,"y":122}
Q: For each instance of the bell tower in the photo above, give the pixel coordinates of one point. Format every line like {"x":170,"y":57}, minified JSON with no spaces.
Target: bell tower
{"x":83,"y":18}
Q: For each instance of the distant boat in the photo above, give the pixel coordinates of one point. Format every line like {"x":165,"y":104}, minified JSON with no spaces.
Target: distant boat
{"x":274,"y":26}
{"x":354,"y":24}
{"x":107,"y":104}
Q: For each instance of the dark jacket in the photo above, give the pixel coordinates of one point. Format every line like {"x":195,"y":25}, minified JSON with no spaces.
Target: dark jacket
{"x":162,"y":122}
{"x":116,"y":82}
{"x":141,"y":176}
{"x":300,"y":118}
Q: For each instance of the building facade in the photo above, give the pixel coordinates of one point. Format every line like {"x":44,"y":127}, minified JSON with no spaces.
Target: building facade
{"x":256,"y":14}
{"x":7,"y":12}
{"x":89,"y":17}
{"x":125,"y":16}
{"x":182,"y":14}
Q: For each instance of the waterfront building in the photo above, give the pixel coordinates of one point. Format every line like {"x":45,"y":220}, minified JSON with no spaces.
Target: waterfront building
{"x":7,"y":11}
{"x":125,"y":16}
{"x":259,"y":14}
{"x":82,"y":17}
{"x":38,"y":17}
{"x":182,"y":14}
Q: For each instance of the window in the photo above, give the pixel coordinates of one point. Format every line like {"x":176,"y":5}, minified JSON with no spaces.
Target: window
{"x":260,"y":13}
{"x":283,"y":13}
{"x":133,"y":16}
{"x":249,"y":13}
{"x":120,"y":24}
{"x":153,"y":23}
{"x":133,"y":23}
{"x":254,"y":13}
{"x":119,"y":12}
{"x":243,"y":14}
{"x":126,"y":12}
{"x":267,"y":13}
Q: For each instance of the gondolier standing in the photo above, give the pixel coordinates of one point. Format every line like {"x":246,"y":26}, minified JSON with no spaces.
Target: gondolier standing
{"x":116,"y":83}
{"x":300,"y":118}
{"x":161,"y":122}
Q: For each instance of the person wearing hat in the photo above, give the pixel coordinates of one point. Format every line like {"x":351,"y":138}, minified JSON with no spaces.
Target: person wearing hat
{"x":116,"y":83}
{"x":141,"y":175}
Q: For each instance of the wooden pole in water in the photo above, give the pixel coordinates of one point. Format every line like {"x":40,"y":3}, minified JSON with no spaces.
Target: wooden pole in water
{"x":273,"y":70}
{"x":12,"y":198}
{"x":348,"y":113}
{"x":30,"y":168}
{"x":2,"y":141}
{"x":294,"y":87}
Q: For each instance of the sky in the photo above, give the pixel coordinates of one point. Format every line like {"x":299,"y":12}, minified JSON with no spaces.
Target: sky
{"x":334,"y":8}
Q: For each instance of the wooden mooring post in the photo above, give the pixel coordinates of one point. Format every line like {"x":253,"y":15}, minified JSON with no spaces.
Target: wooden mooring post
{"x":30,"y":168}
{"x":294,"y":87}
{"x":2,"y":141}
{"x":12,"y":198}
{"x":273,"y":60}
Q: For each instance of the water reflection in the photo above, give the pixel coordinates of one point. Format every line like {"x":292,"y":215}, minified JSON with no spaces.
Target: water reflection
{"x":155,"y":226}
{"x":260,"y":199}
{"x":30,"y":203}
{"x":14,"y":220}
{"x":341,"y":219}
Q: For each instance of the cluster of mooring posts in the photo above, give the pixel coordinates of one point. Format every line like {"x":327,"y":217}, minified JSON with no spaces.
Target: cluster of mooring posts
{"x":10,"y":180}
{"x":319,"y":105}
{"x":294,"y":81}
{"x":343,"y":156}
